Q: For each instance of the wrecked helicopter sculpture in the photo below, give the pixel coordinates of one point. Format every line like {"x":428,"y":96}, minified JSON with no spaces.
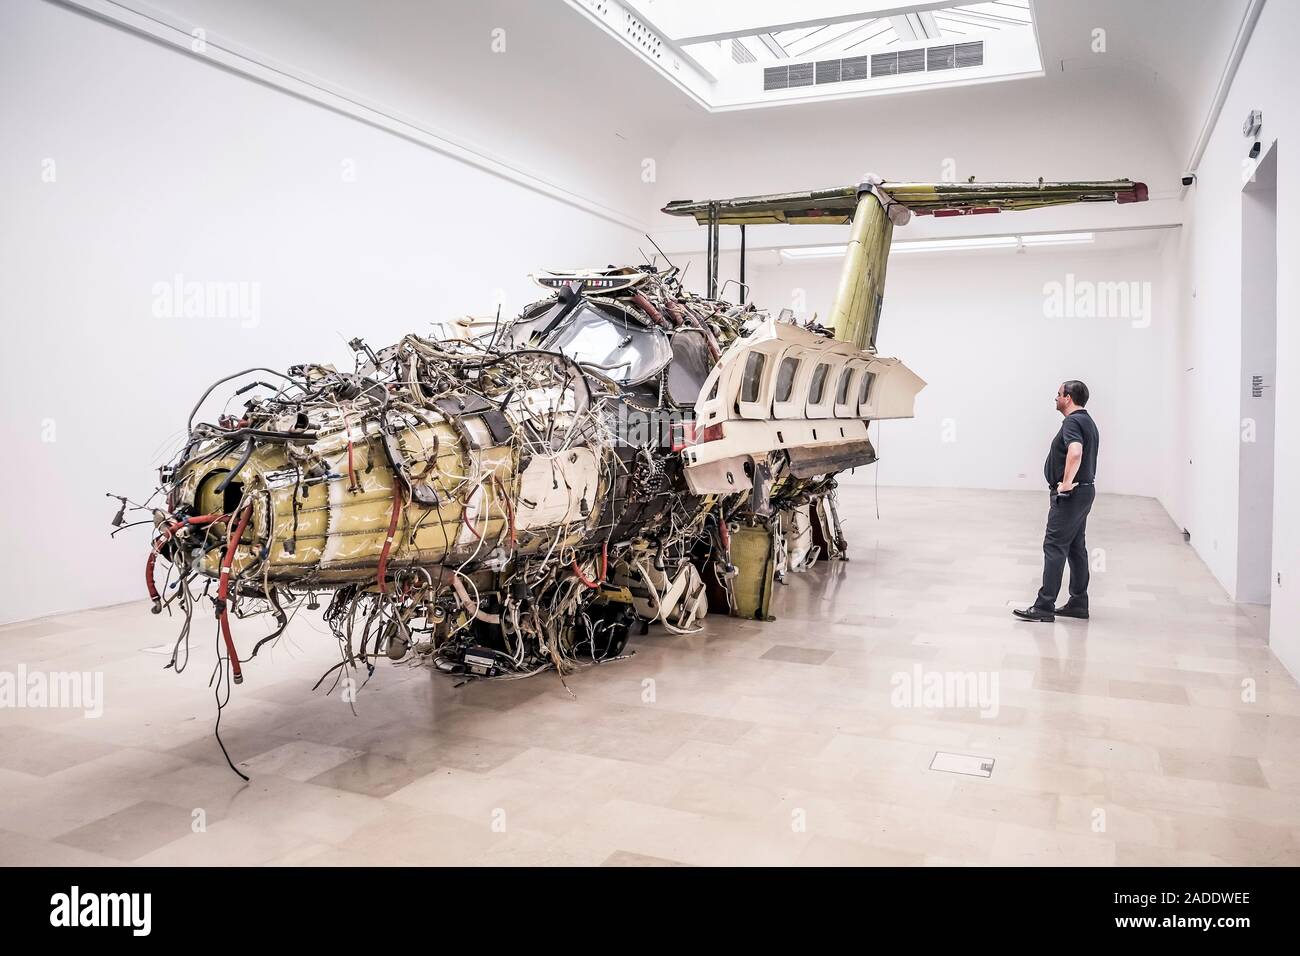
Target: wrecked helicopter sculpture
{"x":516,"y":497}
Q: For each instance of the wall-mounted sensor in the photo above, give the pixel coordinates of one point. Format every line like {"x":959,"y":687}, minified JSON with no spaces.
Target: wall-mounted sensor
{"x":1254,"y":150}
{"x":1189,"y":178}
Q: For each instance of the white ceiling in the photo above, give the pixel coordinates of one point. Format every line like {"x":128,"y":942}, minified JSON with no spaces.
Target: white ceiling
{"x":1168,"y":53}
{"x":581,"y":110}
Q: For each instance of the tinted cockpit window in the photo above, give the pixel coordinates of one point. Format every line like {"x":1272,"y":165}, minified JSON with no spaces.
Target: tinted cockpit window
{"x":785,"y":378}
{"x":690,"y":366}
{"x":525,"y":330}
{"x":818,"y":388}
{"x":865,"y":393}
{"x":842,"y":394}
{"x":752,"y":384}
{"x":612,"y":344}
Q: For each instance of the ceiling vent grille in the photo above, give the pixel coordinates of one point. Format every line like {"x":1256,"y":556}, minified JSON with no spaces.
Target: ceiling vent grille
{"x":970,"y":54}
{"x":940,"y":58}
{"x":643,"y":36}
{"x":801,"y":74}
{"x":911,"y":61}
{"x":952,"y":56}
{"x":740,"y":53}
{"x":855,"y":68}
{"x":776,"y":78}
{"x":828,"y":71}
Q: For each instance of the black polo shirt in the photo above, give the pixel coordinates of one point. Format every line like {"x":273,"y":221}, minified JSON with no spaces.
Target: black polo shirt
{"x":1078,"y":426}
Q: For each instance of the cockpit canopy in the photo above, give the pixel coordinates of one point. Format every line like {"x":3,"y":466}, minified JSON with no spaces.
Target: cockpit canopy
{"x":611,"y":342}
{"x":602,"y":336}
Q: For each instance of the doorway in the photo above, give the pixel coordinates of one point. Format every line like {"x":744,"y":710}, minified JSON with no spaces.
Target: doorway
{"x":1258,"y":371}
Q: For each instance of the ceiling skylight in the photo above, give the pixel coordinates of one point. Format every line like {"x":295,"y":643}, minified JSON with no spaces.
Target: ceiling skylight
{"x":741,"y":54}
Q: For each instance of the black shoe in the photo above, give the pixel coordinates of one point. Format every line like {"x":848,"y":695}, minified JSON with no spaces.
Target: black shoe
{"x":1035,"y":614}
{"x":1066,"y":611}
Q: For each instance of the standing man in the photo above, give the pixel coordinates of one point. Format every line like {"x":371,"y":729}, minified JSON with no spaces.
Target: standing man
{"x":1070,"y":470}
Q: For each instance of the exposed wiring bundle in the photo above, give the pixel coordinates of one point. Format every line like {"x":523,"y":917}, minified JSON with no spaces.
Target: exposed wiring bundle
{"x":494,"y":502}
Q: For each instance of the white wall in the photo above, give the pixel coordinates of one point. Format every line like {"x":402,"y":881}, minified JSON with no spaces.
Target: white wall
{"x":530,"y":83}
{"x":974,"y":326}
{"x":166,"y":165}
{"x":1209,"y":358}
{"x":1084,"y":126}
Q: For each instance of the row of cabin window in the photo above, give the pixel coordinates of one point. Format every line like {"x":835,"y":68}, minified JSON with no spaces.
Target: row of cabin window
{"x":751,"y":384}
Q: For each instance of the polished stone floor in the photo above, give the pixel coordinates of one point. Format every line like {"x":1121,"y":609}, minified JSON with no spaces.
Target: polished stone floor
{"x":1162,"y":731}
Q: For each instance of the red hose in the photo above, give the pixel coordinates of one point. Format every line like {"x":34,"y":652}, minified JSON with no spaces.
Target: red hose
{"x":604,"y":568}
{"x":223,"y":588}
{"x":392,"y":530}
{"x":651,"y":312}
{"x":724,"y":537}
{"x":710,"y":339}
{"x":464,"y":519}
{"x":674,"y":311}
{"x":163,"y":538}
{"x":352,"y":472}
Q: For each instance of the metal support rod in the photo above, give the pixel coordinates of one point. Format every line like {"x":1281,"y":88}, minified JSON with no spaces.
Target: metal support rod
{"x":709,"y":250}
{"x":713,"y":250}
{"x":709,"y":255}
{"x":743,"y":287}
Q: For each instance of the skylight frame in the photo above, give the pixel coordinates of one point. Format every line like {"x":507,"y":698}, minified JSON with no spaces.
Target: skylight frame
{"x":722,"y":78}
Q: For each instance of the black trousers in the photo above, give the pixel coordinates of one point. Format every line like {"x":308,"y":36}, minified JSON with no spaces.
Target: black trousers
{"x":1067,"y":516}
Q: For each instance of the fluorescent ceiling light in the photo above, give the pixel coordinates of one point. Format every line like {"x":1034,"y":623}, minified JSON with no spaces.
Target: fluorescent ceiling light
{"x":1058,"y":239}
{"x":814,"y":252}
{"x":949,"y":245}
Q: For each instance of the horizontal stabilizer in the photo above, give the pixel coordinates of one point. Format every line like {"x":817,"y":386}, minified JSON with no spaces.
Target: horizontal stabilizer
{"x":836,"y":206}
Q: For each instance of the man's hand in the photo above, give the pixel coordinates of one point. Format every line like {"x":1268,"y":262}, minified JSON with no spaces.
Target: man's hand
{"x":1063,"y":486}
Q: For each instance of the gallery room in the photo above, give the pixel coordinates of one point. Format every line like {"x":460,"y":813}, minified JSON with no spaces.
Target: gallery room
{"x":602,"y":433}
